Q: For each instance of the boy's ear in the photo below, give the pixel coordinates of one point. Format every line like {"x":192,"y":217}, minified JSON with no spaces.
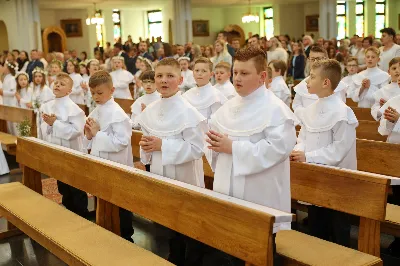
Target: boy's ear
{"x":212,"y":74}
{"x":180,"y":80}
{"x":112,"y":90}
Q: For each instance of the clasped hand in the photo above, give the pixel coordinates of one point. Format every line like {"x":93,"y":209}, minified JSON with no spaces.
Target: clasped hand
{"x":91,"y":128}
{"x":49,"y":119}
{"x":219,"y":142}
{"x":150,"y":143}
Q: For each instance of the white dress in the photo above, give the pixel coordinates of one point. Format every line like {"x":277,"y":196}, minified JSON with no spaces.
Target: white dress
{"x":9,"y":99}
{"x":113,"y":141}
{"x":348,"y":80}
{"x":26,"y":97}
{"x":188,"y":80}
{"x":387,"y":92}
{"x":181,"y":128}
{"x":386,"y":56}
{"x":77,"y":95}
{"x":136,"y":107}
{"x":387,"y":128}
{"x":262,"y":129}
{"x":304,"y":99}
{"x":328,"y":133}
{"x":3,"y":164}
{"x":227,"y":89}
{"x":378,"y":79}
{"x":40,"y":96}
{"x":207,"y":99}
{"x":121,"y":80}
{"x":67,"y":130}
{"x":279,"y":87}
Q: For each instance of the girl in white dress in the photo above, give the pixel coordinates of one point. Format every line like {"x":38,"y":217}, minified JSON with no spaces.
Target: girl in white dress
{"x":8,"y":91}
{"x":121,"y":79}
{"x":92,"y":66}
{"x":76,"y":95}
{"x":24,"y":91}
{"x":144,"y":65}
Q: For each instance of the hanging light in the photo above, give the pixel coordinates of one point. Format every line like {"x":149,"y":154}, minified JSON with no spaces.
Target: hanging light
{"x":249,"y":17}
{"x":96,"y":19}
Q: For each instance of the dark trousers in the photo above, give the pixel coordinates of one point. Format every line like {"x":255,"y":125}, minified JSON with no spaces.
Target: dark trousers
{"x":394,"y":248}
{"x":125,"y":222}
{"x":74,"y":199}
{"x":329,"y":225}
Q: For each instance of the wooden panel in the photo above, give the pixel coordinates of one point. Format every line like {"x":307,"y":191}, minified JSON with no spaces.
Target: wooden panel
{"x":369,"y":130}
{"x":125,"y":104}
{"x":107,"y":216}
{"x":15,"y":114}
{"x":84,"y":108}
{"x":361,"y":194}
{"x":378,"y":157}
{"x":351,"y":103}
{"x":136,"y":136}
{"x":235,"y":229}
{"x":369,"y":236}
{"x":32,"y":179}
{"x":363,"y":113}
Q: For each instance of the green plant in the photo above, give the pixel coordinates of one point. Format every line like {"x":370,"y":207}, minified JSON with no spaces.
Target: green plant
{"x":24,"y":128}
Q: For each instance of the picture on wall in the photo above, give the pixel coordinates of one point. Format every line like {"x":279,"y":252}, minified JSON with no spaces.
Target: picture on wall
{"x":72,"y":27}
{"x":312,"y":23}
{"x":200,"y":28}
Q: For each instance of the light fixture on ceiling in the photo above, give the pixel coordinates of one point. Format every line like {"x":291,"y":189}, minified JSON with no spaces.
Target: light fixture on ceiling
{"x":96,"y":19}
{"x":249,"y":17}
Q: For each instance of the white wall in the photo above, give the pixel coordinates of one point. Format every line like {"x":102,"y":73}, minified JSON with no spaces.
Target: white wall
{"x":310,"y":9}
{"x":294,"y":14}
{"x":132,"y":23}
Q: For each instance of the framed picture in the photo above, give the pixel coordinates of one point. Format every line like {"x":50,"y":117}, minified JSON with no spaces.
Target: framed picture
{"x":312,"y":23}
{"x":72,"y":27}
{"x":200,"y":28}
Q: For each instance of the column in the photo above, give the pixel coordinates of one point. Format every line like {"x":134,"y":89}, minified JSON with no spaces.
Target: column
{"x":369,"y":17}
{"x":351,"y":18}
{"x":182,"y":22}
{"x":27,"y":25}
{"x":327,"y":19}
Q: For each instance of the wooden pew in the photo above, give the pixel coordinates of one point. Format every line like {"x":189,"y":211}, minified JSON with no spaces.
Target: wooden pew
{"x":237,"y":227}
{"x":369,"y":130}
{"x":125,"y":104}
{"x":363,"y":113}
{"x":351,"y":103}
{"x":84,"y":108}
{"x":71,"y":238}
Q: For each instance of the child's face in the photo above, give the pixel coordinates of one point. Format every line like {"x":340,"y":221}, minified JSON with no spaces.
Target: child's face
{"x":167,"y":80}
{"x":222,"y":75}
{"x":149,"y":85}
{"x":314,"y":57}
{"x":38,"y":78}
{"x":245,"y":77}
{"x":93,"y":68}
{"x":102,"y":93}
{"x":184,"y":65}
{"x":137,"y":64}
{"x":22,"y":81}
{"x":82,"y":70}
{"x":394,"y":72}
{"x":352,"y":67}
{"x":55,"y":69}
{"x":315,"y":83}
{"x":117,"y":64}
{"x":62,"y":87}
{"x":275,"y":72}
{"x":70,"y":68}
{"x":371,"y":59}
{"x":202,"y":74}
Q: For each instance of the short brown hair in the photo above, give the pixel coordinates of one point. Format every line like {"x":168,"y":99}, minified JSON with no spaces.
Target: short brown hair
{"x":204,"y":60}
{"x":317,"y":49}
{"x":279,"y":65}
{"x":65,"y":76}
{"x":224,"y":65}
{"x":330,"y":69}
{"x":269,"y":72}
{"x":352,"y":58}
{"x":147,"y":75}
{"x":372,"y":49}
{"x":255,"y":54}
{"x":99,"y":78}
{"x":169,"y":62}
{"x":394,"y":60}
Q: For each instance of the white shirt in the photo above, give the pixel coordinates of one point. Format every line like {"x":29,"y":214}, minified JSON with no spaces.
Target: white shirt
{"x":227,"y":89}
{"x":77,"y":95}
{"x":26,"y":97}
{"x":279,"y":87}
{"x":387,"y":92}
{"x":9,"y":90}
{"x":277,"y":54}
{"x":188,"y":80}
{"x":262,"y":129}
{"x":388,"y":55}
{"x":181,"y":128}
{"x":40,"y":96}
{"x":387,"y":128}
{"x":113,"y":141}
{"x":136,"y":107}
{"x":67,"y":130}
{"x":378,"y":79}
{"x":348,"y":80}
{"x":121,"y":80}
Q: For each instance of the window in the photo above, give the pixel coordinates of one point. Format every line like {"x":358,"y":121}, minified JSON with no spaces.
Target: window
{"x":154,"y":19}
{"x":269,"y":22}
{"x":360,"y":18}
{"x":116,"y":17}
{"x":341,"y":19}
{"x":380,"y":9}
{"x":99,"y":30}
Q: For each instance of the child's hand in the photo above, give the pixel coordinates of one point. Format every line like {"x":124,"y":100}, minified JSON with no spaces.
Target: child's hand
{"x":382,"y":102}
{"x":87,"y":132}
{"x":94,"y":127}
{"x":18,"y":96}
{"x":143,"y":106}
{"x":29,"y":105}
{"x":391,"y":115}
{"x":219,"y":142}
{"x":298,"y":156}
{"x":84,"y":86}
{"x":49,"y":119}
{"x":150,"y":143}
{"x":366,"y":83}
{"x":398,"y":82}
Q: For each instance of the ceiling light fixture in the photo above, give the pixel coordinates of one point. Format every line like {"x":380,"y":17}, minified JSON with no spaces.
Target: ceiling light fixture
{"x":96,"y":19}
{"x":249,"y":17}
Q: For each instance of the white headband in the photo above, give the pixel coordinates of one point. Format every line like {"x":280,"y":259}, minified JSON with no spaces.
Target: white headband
{"x":184,"y":58}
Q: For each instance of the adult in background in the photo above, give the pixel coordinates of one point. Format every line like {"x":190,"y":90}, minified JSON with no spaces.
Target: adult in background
{"x":320,"y":42}
{"x":297,"y":62}
{"x":34,"y":63}
{"x":223,"y":35}
{"x":307,"y":42}
{"x":276,"y":52}
{"x":398,"y":38}
{"x":143,"y":51}
{"x":180,"y":51}
{"x":254,"y":41}
{"x":236,"y":44}
{"x":389,"y":50}
{"x":23,"y":61}
{"x":74,"y":55}
{"x":98,"y":48}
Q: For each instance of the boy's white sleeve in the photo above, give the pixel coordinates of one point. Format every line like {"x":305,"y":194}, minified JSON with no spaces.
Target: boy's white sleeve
{"x":145,"y":157}
{"x":300,"y":146}
{"x":375,"y":108}
{"x":115,"y":141}
{"x":189,"y":148}
{"x":77,"y":89}
{"x":251,"y":158}
{"x":344,"y":136}
{"x":71,"y":129}
{"x":297,"y":104}
{"x":356,"y":94}
{"x":9,"y":93}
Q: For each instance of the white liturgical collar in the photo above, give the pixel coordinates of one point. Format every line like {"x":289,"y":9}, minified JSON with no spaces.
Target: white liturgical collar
{"x":204,"y":97}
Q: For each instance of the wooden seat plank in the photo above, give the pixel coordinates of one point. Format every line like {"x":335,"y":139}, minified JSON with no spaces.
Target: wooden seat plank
{"x":125,"y":104}
{"x":363,"y":113}
{"x":8,"y":143}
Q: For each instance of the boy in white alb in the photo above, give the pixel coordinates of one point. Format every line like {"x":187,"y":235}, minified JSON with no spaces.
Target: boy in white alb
{"x":62,"y":124}
{"x":278,"y":84}
{"x":352,"y":69}
{"x":369,"y":81}
{"x":388,"y":91}
{"x":187,"y":74}
{"x":204,"y":97}
{"x":173,"y":138}
{"x":303,"y":98}
{"x":222,"y":79}
{"x":151,"y":95}
{"x":327,"y":136}
{"x":108,"y":132}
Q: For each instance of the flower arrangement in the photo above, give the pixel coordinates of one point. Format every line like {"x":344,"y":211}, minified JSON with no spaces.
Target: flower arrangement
{"x":24,"y":128}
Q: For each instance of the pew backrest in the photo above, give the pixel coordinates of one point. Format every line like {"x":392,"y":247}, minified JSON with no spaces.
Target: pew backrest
{"x":17,"y":115}
{"x":351,"y":103}
{"x":363,"y":113}
{"x":125,"y":104}
{"x":369,"y":130}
